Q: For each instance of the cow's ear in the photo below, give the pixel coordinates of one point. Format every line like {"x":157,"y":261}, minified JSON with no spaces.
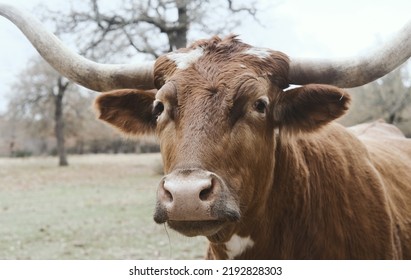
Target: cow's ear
{"x":309,"y":107}
{"x":129,"y":110}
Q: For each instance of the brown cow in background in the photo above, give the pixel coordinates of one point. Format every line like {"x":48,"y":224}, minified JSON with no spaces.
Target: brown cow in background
{"x":261,"y":171}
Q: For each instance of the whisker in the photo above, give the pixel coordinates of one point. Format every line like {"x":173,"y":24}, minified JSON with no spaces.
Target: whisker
{"x":169,"y":241}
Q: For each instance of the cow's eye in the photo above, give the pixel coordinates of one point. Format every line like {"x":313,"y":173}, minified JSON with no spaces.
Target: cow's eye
{"x":261,"y":106}
{"x":158,"y":108}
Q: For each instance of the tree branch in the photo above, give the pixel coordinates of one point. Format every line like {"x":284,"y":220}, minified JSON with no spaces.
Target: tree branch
{"x":251,"y":11}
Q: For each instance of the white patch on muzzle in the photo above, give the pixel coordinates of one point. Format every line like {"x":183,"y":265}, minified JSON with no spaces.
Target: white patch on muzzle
{"x":184,"y":59}
{"x":237,"y":245}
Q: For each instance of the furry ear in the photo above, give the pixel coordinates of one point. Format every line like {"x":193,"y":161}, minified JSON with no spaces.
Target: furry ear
{"x":309,"y":107}
{"x":129,"y":110}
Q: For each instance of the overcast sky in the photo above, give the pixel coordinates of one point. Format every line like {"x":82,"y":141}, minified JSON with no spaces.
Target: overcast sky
{"x":309,"y":28}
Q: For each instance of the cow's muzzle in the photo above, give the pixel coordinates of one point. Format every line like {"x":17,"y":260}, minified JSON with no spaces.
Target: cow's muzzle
{"x":195,"y":202}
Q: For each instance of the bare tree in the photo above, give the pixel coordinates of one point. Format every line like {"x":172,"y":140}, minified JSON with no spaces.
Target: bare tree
{"x":151,"y":27}
{"x":44,"y":106}
{"x":40,"y":91}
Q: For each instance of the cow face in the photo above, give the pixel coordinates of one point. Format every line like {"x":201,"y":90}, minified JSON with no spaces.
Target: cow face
{"x":215,"y":113}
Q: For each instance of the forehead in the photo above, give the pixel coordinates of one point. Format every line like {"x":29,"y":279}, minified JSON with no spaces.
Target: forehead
{"x":219,"y":62}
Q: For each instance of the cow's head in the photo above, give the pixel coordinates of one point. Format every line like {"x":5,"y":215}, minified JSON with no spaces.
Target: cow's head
{"x":215,"y":113}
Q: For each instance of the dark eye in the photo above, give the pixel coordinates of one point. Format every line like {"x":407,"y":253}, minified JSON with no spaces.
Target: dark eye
{"x":261,"y":106}
{"x":158,"y":108}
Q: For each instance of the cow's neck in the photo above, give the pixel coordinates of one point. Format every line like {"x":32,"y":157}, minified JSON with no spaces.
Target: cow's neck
{"x":259,"y":235}
{"x":309,"y":176}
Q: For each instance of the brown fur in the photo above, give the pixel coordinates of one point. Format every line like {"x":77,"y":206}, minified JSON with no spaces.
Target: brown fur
{"x":127,"y":110}
{"x":312,"y":190}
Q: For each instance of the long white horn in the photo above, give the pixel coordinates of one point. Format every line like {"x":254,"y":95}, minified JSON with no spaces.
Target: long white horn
{"x":92,"y":75}
{"x":354,"y":71}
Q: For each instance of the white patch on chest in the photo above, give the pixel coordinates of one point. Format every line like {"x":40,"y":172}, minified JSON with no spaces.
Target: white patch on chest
{"x":258,"y":52}
{"x":184,"y":60}
{"x":237,"y":245}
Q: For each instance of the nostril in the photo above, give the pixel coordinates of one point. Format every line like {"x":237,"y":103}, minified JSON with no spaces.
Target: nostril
{"x":168,"y":196}
{"x":207,"y":192}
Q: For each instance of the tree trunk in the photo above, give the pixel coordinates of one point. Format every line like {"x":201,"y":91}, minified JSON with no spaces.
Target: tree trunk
{"x":392,"y":118}
{"x":178,"y":37}
{"x":59,"y":121}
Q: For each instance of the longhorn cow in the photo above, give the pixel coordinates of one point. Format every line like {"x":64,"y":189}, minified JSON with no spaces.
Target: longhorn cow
{"x":261,"y":171}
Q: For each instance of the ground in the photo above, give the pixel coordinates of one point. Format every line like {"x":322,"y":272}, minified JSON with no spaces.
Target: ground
{"x":99,"y":207}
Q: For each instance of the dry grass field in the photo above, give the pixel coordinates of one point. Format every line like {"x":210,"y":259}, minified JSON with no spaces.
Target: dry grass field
{"x":99,"y":207}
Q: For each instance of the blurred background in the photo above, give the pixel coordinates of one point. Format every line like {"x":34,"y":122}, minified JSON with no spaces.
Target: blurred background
{"x":100,"y":205}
